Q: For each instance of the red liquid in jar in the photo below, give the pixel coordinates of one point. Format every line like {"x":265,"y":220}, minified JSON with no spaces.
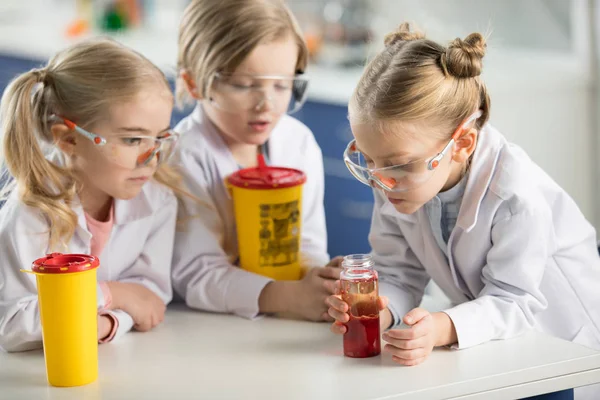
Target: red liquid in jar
{"x":362,"y":337}
{"x":362,"y":340}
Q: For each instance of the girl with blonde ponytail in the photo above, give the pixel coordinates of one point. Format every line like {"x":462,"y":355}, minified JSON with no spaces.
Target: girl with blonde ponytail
{"x":84,"y":140}
{"x":456,"y":203}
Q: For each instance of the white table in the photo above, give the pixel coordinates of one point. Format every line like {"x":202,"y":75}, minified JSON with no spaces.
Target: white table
{"x":205,"y":356}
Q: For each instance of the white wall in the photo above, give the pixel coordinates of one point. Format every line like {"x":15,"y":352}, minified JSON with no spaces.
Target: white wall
{"x":551,"y":117}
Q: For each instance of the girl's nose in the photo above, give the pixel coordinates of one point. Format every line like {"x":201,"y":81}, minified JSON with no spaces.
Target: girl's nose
{"x":265,"y":103}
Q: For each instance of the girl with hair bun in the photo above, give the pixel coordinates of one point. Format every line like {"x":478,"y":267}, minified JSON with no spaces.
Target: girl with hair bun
{"x":457,"y":204}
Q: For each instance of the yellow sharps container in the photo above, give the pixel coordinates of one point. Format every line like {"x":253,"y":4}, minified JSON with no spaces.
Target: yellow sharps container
{"x":68,"y":308}
{"x":267,"y":203}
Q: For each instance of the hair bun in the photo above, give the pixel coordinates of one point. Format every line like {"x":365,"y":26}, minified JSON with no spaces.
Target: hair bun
{"x":463,"y":58}
{"x":402,"y":34}
{"x":40,"y":74}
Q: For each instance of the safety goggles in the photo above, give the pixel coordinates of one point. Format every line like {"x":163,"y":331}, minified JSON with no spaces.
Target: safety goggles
{"x":129,"y":151}
{"x":239,"y":93}
{"x":400,"y":178}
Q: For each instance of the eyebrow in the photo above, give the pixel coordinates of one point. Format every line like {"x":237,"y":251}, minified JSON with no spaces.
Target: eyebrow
{"x":136,"y":129}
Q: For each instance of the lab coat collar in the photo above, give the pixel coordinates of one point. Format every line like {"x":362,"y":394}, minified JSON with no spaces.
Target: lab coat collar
{"x":212,"y":136}
{"x":209,"y":131}
{"x":482,"y":168}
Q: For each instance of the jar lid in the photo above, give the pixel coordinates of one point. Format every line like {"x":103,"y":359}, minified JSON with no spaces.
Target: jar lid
{"x":58,"y":263}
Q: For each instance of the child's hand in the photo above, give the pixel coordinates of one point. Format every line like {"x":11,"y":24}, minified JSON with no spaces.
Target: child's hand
{"x":312,"y":290}
{"x":335,"y":262}
{"x":338,"y":310}
{"x":144,"y":306}
{"x":413,"y":345}
{"x":304,"y":298}
{"x":104,"y":326}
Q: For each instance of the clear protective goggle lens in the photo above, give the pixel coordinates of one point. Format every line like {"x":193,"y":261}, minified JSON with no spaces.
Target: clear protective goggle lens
{"x":397,"y":178}
{"x":238,"y":93}
{"x":130,"y":151}
{"x":400,"y":178}
{"x":138,"y":151}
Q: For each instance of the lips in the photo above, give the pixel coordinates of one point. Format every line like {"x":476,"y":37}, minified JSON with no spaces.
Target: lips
{"x":140,"y":179}
{"x":395,"y":201}
{"x":259,"y":125}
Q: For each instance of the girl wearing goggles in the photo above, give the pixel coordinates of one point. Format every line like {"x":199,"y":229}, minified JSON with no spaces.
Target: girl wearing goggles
{"x":86,"y":155}
{"x":242,"y":62}
{"x":457,"y":204}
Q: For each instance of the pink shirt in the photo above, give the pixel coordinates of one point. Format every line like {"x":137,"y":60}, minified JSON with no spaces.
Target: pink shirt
{"x":100,"y":231}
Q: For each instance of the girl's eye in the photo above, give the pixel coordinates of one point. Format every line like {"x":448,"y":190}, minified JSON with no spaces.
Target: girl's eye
{"x":414,"y":167}
{"x":410,"y":168}
{"x":240,"y":86}
{"x":282,"y":86}
{"x":240,"y":83}
{"x":131,"y":141}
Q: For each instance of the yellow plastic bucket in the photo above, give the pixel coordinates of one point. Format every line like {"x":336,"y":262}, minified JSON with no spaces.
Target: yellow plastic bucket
{"x":267,"y":203}
{"x":68,"y":310}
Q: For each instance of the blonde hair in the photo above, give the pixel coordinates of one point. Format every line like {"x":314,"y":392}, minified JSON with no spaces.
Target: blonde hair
{"x":417,"y":79}
{"x":80,"y":83}
{"x":216,"y":36}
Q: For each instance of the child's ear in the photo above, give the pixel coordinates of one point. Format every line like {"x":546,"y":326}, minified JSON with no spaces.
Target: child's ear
{"x":64,"y":138}
{"x":465,"y":146}
{"x":190,"y":85}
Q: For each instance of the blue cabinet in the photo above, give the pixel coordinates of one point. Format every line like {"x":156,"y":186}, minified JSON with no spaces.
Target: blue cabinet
{"x":12,"y":66}
{"x":9,"y":68}
{"x":348,"y":203}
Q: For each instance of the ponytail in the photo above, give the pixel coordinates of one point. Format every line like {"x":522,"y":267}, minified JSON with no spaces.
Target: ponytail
{"x":41,"y":184}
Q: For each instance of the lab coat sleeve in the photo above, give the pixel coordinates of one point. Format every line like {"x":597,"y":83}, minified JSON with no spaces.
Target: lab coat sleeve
{"x":152,"y":269}
{"x":511,"y":296}
{"x":125,"y":323}
{"x":202,"y":273}
{"x":314,"y":231}
{"x":402,"y":278}
{"x":153,"y":266}
{"x":22,"y":242}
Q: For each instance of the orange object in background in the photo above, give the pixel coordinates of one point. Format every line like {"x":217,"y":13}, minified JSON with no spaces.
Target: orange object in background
{"x":78,"y":28}
{"x":313,"y":43}
{"x":132,"y":10}
{"x":81,"y":24}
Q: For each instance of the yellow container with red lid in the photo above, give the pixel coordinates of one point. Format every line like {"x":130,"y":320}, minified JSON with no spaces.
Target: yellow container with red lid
{"x":66,"y":286}
{"x":268,"y":212}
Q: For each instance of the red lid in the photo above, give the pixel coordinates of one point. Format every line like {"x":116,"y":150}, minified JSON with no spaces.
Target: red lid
{"x":265,"y":177}
{"x":58,"y":263}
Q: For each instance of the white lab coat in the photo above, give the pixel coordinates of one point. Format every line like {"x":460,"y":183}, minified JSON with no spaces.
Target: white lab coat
{"x":522,"y":256}
{"x":206,"y":250}
{"x":139,"y":250}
